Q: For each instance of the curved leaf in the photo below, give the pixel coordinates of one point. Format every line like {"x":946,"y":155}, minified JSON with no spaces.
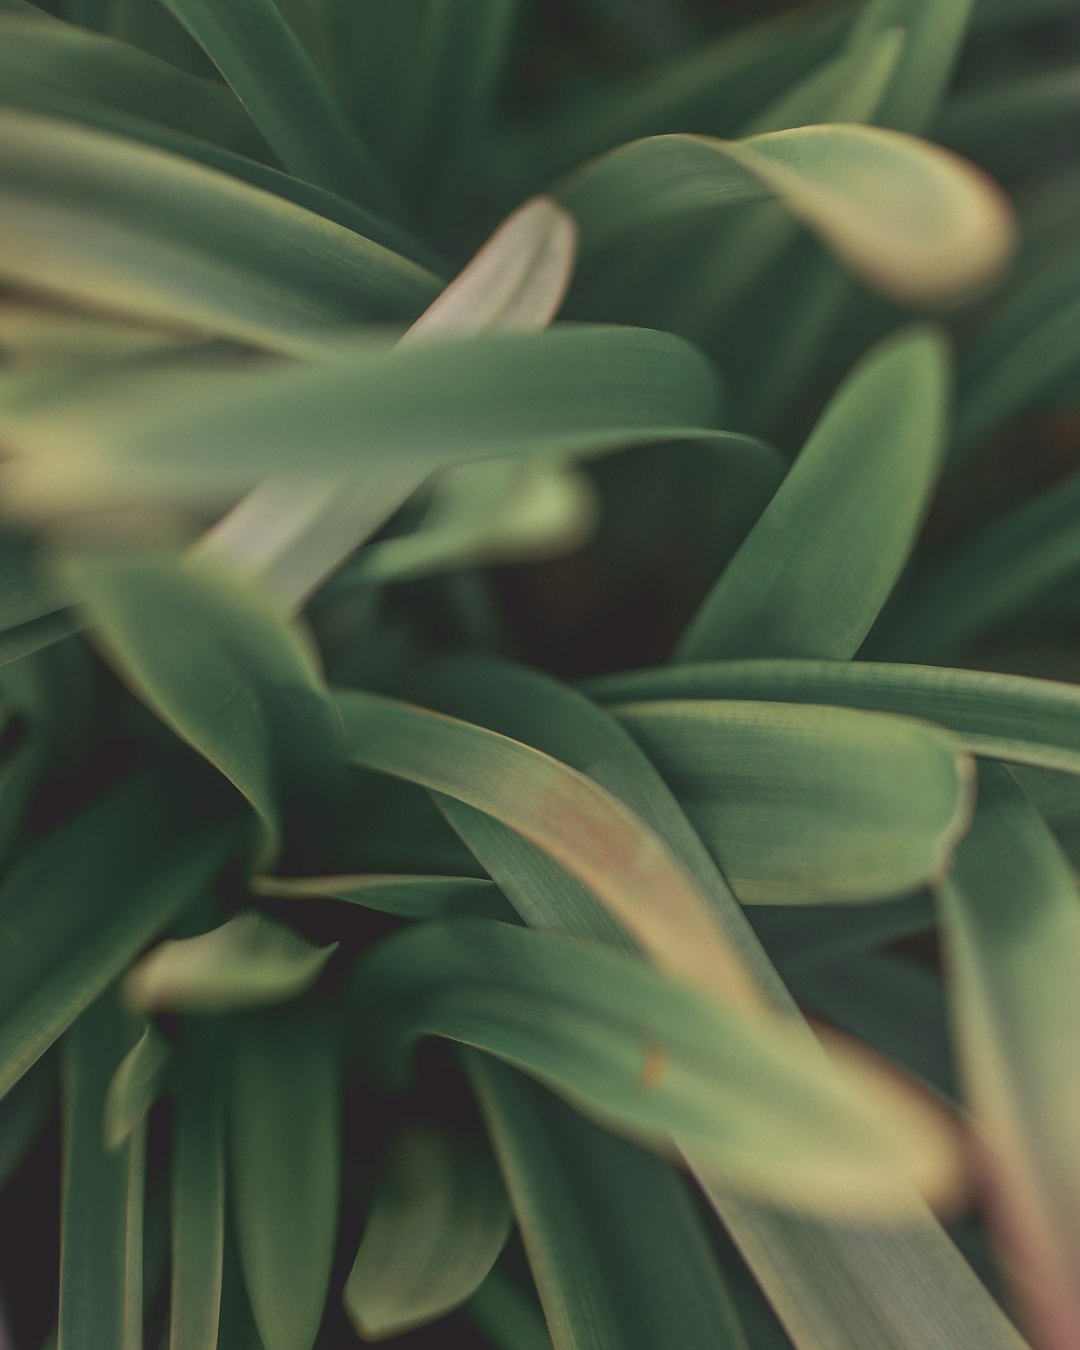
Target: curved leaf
{"x":105,"y":221}
{"x":135,"y":1086}
{"x":407,"y":897}
{"x":913,"y":221}
{"x":218,"y":663}
{"x":816,"y":569}
{"x":652,"y":1058}
{"x":436,"y":1223}
{"x":1006,"y":717}
{"x":811,"y":804}
{"x":935,"y":31}
{"x":248,"y":962}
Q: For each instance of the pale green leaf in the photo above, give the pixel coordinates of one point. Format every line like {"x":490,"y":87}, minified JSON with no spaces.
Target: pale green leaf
{"x":911,"y":220}
{"x":935,"y":32}
{"x":407,"y":897}
{"x":135,"y":1086}
{"x":248,"y":962}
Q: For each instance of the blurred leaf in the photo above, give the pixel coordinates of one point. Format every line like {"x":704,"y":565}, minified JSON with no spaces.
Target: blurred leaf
{"x":1005,"y":14}
{"x":507,"y":1316}
{"x":135,"y":1086}
{"x":1022,"y":350}
{"x":105,"y":221}
{"x":652,"y":1058}
{"x":618,"y":1252}
{"x":1005,"y":717}
{"x":23,"y":1112}
{"x":391,"y":417}
{"x":62,"y":60}
{"x":815,"y":570}
{"x":436,"y":1222}
{"x":909,"y":219}
{"x":407,"y":897}
{"x":1012,"y":923}
{"x":84,"y":902}
{"x":214,"y":659}
{"x":101,"y":1222}
{"x":935,"y":31}
{"x":810,"y":804}
{"x":198,"y":1195}
{"x":280,"y":86}
{"x":286,"y":1167}
{"x":248,"y":962}
{"x":294,"y":535}
{"x":989,"y":577}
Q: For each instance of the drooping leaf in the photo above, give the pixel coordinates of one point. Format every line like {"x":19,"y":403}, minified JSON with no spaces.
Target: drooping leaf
{"x":249,"y":962}
{"x":815,"y":570}
{"x":618,"y":1253}
{"x":101,"y":1222}
{"x":285,"y":1162}
{"x":913,"y":221}
{"x":642,"y":1054}
{"x":1009,"y":717}
{"x":83,"y":904}
{"x":277,"y":82}
{"x":198,"y":1195}
{"x":1012,"y":927}
{"x":436,"y":1223}
{"x":135,"y":1086}
{"x":213,"y":657}
{"x":811,"y":804}
{"x":104,"y":221}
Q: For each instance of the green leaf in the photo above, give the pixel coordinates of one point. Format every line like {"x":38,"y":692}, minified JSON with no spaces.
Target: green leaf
{"x":619,"y":1254}
{"x":84,"y":902}
{"x":197,"y":435}
{"x":61,"y":60}
{"x":101,"y":1220}
{"x":909,"y":219}
{"x":991,"y":576}
{"x":135,"y":1086}
{"x":1012,"y":926}
{"x":816,"y":569}
{"x":582,"y":827}
{"x":198,"y":1195}
{"x":213,"y":657}
{"x":248,"y":962}
{"x":507,"y":1316}
{"x":23,"y":1113}
{"x":280,"y":86}
{"x":436,"y":1223}
{"x":935,"y":32}
{"x":293,"y":535}
{"x":1008,"y":717}
{"x":286,"y":1167}
{"x":649,"y":1057}
{"x":901,"y":1286}
{"x":407,"y":897}
{"x":811,"y":804}
{"x":107,"y":222}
